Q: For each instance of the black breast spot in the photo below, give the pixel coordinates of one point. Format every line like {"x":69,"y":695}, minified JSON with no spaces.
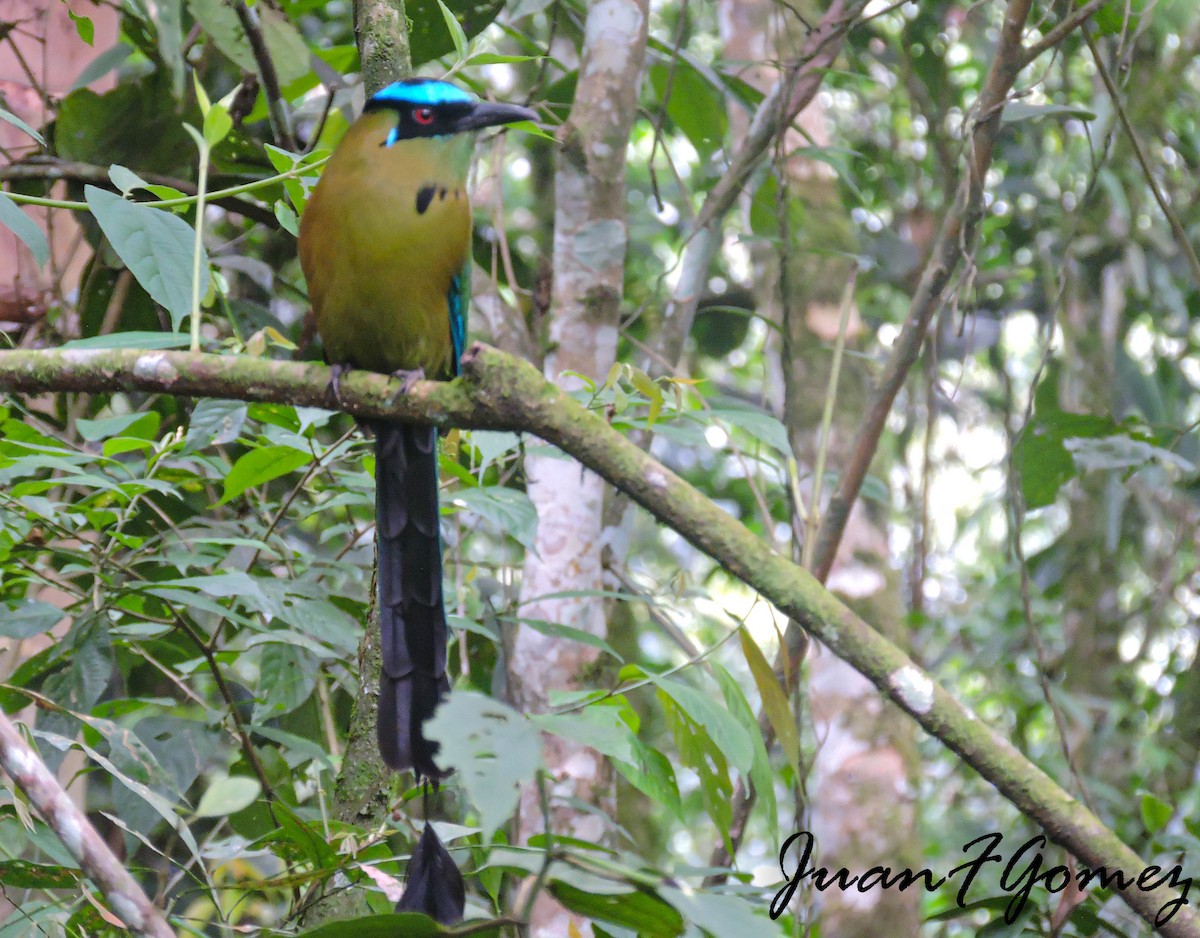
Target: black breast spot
{"x":424,"y":197}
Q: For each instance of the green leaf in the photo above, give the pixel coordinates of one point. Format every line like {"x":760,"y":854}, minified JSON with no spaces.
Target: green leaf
{"x":142,"y":425}
{"x":652,"y":774}
{"x":1156,"y":813}
{"x":1121,"y":451}
{"x":234,"y":584}
{"x":202,"y":99}
{"x":214,"y":422}
{"x":228,"y":795}
{"x":260,"y":466}
{"x":510,"y":510}
{"x":650,"y":390}
{"x":775,"y":701}
{"x":758,"y":423}
{"x":457,"y":35}
{"x":298,"y":745}
{"x":1118,"y":16}
{"x":162,"y":806}
{"x":21,"y":874}
{"x":719,"y":916}
{"x":25,"y":228}
{"x":28,"y":617}
{"x":125,"y":179}
{"x":136,"y":124}
{"x":155,"y":245}
{"x":289,"y":52}
{"x":729,"y":736}
{"x":169,"y":16}
{"x":288,"y":220}
{"x":151,"y":341}
{"x":493,"y":749}
{"x":599,"y":727}
{"x":11,"y":118}
{"x":288,"y":675}
{"x":1042,"y":458}
{"x":570,"y":633}
{"x":407,"y":924}
{"x":696,"y":106}
{"x":325,"y":622}
{"x":217,"y":124}
{"x":429,"y":36}
{"x":492,"y":444}
{"x":640,"y":911}
{"x":524,"y":8}
{"x":1024,"y":111}
{"x":698,"y":751}
{"x":490,"y":58}
{"x":100,"y":66}
{"x":309,"y":840}
{"x":761,"y":773}
{"x":220,"y":24}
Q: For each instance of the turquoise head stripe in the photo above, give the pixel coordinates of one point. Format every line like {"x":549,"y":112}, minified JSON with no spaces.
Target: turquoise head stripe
{"x":420,"y":92}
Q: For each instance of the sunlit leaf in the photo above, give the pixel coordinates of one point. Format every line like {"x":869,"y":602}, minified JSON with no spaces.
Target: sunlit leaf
{"x":493,"y":749}
{"x":227,"y":795}
{"x":260,"y":466}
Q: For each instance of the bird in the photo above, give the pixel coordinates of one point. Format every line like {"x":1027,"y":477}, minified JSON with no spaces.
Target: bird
{"x":385,"y":249}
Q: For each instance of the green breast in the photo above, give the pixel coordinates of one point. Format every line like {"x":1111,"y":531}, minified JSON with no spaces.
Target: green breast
{"x":383,"y":236}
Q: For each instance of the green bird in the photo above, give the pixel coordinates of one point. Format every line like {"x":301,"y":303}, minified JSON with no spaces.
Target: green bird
{"x":385,"y":246}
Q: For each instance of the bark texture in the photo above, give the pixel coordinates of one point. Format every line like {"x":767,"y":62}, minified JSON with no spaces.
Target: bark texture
{"x":498,"y":392}
{"x":588,"y":277}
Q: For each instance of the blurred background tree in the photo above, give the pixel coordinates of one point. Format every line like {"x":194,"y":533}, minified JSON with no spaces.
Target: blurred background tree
{"x":183,"y":582}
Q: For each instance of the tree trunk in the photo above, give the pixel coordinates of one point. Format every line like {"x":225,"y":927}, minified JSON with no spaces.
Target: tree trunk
{"x":588,"y":278}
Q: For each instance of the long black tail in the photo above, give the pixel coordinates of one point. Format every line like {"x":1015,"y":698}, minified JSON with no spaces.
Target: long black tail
{"x":412,"y":614}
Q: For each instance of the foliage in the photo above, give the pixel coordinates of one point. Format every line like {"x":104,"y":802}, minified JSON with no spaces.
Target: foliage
{"x":186,"y":582}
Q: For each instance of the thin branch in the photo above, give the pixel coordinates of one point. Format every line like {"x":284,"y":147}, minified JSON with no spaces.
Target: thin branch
{"x":1181,"y":236}
{"x":796,"y":88}
{"x":835,"y":370}
{"x":281,"y":121}
{"x":957,"y":233}
{"x":51,"y":168}
{"x":503,"y":393}
{"x":1059,"y":32}
{"x":243,"y":736}
{"x":78,"y":835}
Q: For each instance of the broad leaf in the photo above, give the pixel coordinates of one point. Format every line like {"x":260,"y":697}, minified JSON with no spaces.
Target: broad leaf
{"x":260,"y":466}
{"x":493,"y":749}
{"x":155,"y":245}
{"x":26,"y":229}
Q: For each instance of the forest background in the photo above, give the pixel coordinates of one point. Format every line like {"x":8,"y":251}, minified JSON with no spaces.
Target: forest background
{"x":896,"y":300}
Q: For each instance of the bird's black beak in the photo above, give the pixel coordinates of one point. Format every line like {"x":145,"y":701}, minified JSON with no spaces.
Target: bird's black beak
{"x":489,"y":114}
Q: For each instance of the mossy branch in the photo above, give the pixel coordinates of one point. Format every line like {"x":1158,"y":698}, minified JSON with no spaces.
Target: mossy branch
{"x":498,"y":391}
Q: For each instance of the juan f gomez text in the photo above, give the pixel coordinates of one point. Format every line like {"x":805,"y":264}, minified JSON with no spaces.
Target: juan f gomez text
{"x":1022,"y":872}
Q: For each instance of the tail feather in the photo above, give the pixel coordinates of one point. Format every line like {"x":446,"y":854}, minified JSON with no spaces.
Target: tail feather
{"x":412,"y":615}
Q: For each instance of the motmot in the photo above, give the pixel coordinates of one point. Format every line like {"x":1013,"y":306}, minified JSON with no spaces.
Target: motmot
{"x":385,"y":247}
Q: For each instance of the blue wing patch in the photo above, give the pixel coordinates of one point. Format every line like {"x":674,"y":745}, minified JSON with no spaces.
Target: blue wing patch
{"x":458,"y":320}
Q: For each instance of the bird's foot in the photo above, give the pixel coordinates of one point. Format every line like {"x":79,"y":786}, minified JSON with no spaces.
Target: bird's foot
{"x":334,"y":391}
{"x":409,"y":379}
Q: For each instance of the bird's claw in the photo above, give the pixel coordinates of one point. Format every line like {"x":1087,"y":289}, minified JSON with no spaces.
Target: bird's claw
{"x":334,"y":391}
{"x":409,"y":379}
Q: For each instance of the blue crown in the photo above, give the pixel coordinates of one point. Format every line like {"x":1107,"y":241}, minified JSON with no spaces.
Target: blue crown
{"x":419,"y":92}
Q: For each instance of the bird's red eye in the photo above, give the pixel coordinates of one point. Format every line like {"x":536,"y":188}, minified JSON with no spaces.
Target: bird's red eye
{"x":423,"y":115}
